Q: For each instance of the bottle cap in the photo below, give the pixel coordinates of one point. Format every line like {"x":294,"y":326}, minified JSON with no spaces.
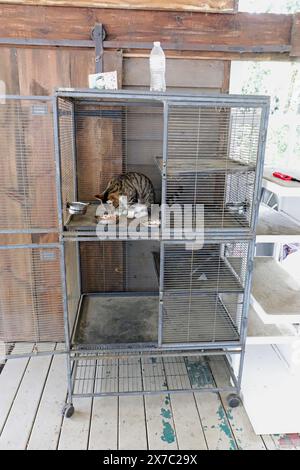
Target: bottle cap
{"x":156,"y":43}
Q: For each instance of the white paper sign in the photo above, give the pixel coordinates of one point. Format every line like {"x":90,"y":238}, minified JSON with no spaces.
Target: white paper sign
{"x":104,"y":81}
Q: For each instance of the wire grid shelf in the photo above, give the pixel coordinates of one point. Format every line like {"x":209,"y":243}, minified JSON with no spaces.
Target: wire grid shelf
{"x":27,"y":167}
{"x":146,"y":375}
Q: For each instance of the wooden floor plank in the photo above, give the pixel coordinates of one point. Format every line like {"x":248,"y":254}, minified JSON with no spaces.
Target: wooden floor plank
{"x":188,"y":426}
{"x":160,"y":423}
{"x":132,"y":428}
{"x":104,"y":424}
{"x":187,"y":423}
{"x":239,"y":421}
{"x":286,"y":441}
{"x":217,"y":431}
{"x":46,"y":429}
{"x":159,"y":416}
{"x":216,"y":427}
{"x":104,"y":419}
{"x":18,"y":426}
{"x":75,"y":430}
{"x":10,"y":379}
{"x":269,"y":442}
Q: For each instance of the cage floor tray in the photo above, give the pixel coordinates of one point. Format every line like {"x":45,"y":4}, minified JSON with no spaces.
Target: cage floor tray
{"x":117,"y":319}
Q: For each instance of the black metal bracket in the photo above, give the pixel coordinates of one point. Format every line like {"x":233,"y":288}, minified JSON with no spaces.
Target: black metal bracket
{"x":98,"y":35}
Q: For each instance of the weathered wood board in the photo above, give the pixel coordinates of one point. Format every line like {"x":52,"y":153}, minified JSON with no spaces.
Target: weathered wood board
{"x":242,"y":32}
{"x":209,"y":6}
{"x":296,"y":36}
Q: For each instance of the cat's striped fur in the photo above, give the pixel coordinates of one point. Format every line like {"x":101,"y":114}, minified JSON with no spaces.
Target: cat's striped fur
{"x":135,"y":186}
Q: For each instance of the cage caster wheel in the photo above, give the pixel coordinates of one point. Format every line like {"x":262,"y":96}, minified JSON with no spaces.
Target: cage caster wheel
{"x":68,"y":411}
{"x":234,"y":400}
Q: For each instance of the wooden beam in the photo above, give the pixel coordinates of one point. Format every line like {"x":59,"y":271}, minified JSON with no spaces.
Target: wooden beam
{"x":295,"y":51}
{"x":242,"y":32}
{"x":216,"y":6}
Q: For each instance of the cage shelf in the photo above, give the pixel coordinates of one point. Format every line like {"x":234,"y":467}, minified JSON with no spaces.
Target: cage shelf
{"x":87,"y":223}
{"x":274,"y":226}
{"x":277,"y":301}
{"x":215,"y":218}
{"x":216,"y":275}
{"x":187,"y":165}
{"x":117,"y":318}
{"x":260,"y":333}
{"x":144,"y":374}
{"x":280,"y":187}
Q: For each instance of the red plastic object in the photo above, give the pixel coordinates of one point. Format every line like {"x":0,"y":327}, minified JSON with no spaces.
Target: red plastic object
{"x":282,"y":176}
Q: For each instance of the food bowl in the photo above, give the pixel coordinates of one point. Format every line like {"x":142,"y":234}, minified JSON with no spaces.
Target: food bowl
{"x":238,"y":208}
{"x":77,"y":208}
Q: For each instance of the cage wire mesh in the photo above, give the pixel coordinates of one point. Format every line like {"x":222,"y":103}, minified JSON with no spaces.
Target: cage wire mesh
{"x":27,"y":166}
{"x":212,"y":157}
{"x":112,"y":139}
{"x":118,"y":266}
{"x":31,"y":298}
{"x":203,"y":292}
{"x":67,"y":154}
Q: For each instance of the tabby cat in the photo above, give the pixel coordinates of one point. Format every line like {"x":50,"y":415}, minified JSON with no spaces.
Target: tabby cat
{"x":135,"y":186}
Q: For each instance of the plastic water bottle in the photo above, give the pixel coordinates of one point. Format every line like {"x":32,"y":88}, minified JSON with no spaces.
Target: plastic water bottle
{"x":157,"y":68}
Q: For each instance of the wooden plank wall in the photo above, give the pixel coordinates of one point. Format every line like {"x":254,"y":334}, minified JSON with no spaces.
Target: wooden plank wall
{"x":295,"y":52}
{"x":238,"y":33}
{"x":218,"y":6}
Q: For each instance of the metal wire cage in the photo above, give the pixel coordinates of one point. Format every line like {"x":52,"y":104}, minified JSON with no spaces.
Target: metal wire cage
{"x":130,"y":296}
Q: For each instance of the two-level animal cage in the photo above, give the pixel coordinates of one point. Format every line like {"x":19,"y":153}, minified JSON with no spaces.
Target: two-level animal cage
{"x":142,"y":299}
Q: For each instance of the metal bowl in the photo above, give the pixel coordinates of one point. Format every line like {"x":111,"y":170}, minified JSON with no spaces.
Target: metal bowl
{"x":77,"y":208}
{"x":237,"y":207}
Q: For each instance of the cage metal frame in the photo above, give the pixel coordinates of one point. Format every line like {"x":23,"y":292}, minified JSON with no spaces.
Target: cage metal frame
{"x":166,"y":99}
